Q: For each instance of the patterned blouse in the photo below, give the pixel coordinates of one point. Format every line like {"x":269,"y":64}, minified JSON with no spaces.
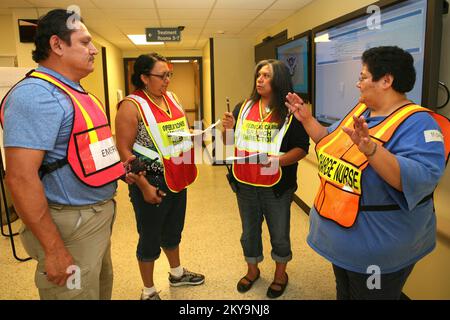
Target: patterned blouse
{"x":153,"y":167}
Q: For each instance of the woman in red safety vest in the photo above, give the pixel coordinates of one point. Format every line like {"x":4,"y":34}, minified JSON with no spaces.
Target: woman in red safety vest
{"x":268,"y":144}
{"x":147,"y":124}
{"x":373,"y":215}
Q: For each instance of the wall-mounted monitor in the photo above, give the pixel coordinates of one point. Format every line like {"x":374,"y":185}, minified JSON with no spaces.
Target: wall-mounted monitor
{"x":296,"y":54}
{"x":414,"y":25}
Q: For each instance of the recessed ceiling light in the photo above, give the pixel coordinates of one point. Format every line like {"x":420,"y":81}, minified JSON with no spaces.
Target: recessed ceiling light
{"x":140,"y":40}
{"x":179,"y":61}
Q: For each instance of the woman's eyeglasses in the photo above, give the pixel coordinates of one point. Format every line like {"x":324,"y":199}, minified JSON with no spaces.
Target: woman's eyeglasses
{"x":164,"y":76}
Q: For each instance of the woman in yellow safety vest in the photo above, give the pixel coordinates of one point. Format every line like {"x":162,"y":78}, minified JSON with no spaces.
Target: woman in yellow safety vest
{"x":373,"y":217}
{"x":268,"y":144}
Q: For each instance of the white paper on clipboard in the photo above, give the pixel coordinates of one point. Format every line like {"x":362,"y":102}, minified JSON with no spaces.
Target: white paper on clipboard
{"x":258,"y":157}
{"x":195,"y":133}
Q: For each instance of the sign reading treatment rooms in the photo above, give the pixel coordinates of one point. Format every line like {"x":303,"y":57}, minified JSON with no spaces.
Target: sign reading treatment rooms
{"x":162,"y":34}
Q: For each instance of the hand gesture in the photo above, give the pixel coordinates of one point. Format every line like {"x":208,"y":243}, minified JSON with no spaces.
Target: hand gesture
{"x":360,"y":135}
{"x":297,"y":107}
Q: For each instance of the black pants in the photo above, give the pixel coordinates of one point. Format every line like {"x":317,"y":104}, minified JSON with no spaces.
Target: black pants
{"x":354,"y":286}
{"x":158,"y":226}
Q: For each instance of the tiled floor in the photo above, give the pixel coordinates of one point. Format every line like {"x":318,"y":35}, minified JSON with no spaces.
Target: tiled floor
{"x":210,"y":246}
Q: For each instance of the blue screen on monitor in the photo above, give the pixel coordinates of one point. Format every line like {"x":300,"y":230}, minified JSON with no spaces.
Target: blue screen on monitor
{"x":339,"y":50}
{"x":295,"y":55}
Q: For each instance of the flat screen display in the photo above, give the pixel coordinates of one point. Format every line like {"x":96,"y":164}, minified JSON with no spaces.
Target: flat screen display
{"x":338,"y":51}
{"x":295,"y":54}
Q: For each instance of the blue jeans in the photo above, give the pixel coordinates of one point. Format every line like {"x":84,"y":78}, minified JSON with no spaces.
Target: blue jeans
{"x":353,"y":286}
{"x":255,"y":204}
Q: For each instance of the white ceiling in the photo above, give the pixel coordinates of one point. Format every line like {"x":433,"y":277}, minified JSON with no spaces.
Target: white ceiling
{"x":114,"y":19}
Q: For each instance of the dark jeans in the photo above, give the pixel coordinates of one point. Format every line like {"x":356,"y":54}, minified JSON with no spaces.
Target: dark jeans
{"x":158,"y":226}
{"x":353,"y":286}
{"x":255,"y":204}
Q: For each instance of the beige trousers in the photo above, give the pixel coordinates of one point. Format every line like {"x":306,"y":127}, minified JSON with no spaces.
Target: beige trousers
{"x":86,"y":231}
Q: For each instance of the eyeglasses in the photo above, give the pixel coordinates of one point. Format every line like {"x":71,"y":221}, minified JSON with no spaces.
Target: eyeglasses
{"x":164,"y":76}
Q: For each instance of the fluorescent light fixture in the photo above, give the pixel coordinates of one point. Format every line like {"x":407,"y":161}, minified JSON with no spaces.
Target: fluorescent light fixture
{"x":140,"y":40}
{"x":179,"y":61}
{"x":323,"y":38}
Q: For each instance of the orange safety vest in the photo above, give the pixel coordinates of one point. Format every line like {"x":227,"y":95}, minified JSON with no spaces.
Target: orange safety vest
{"x":91,"y":152}
{"x":341,"y":164}
{"x":177,"y":153}
{"x":257,"y":134}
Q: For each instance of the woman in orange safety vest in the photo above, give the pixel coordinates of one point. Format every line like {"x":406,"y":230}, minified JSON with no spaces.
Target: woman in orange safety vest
{"x":373,"y":215}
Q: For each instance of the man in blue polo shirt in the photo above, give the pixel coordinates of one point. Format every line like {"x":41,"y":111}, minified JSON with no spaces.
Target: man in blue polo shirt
{"x":67,"y":223}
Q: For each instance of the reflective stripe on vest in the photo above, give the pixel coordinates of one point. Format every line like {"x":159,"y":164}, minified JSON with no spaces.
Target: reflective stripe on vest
{"x":91,"y":152}
{"x":254,"y":136}
{"x":176,"y":154}
{"x":341,"y":164}
{"x":159,"y":130}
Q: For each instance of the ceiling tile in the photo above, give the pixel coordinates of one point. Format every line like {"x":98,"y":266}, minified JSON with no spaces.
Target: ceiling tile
{"x":130,"y":13}
{"x":178,"y":4}
{"x":221,"y":24}
{"x":91,"y":14}
{"x":63,"y":4}
{"x":279,"y":15}
{"x":240,"y":4}
{"x":193,"y":14}
{"x":262,"y":24}
{"x":137,"y":23}
{"x":290,"y":4}
{"x":188,"y":23}
{"x":15,"y":4}
{"x":121,"y":4}
{"x":246,"y":14}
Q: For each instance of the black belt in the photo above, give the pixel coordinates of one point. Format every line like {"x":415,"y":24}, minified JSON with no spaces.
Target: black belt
{"x":391,"y":207}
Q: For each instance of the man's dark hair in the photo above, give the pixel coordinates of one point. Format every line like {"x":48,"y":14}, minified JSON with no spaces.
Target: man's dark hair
{"x":53,"y":23}
{"x":281,"y":84}
{"x":144,"y":65}
{"x":393,"y":61}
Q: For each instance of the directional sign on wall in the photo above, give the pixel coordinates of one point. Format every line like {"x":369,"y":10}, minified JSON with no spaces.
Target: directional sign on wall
{"x":162,"y":34}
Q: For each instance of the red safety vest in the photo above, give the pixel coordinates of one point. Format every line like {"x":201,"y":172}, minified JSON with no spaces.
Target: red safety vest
{"x":176,"y":153}
{"x":257,"y":134}
{"x":91,"y":152}
{"x":341,"y":164}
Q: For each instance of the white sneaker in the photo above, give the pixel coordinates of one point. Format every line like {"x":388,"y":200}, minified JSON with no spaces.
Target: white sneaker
{"x":153,"y":296}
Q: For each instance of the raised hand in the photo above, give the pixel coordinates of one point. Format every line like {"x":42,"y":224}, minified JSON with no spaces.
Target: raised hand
{"x":297,"y":107}
{"x":360,"y":135}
